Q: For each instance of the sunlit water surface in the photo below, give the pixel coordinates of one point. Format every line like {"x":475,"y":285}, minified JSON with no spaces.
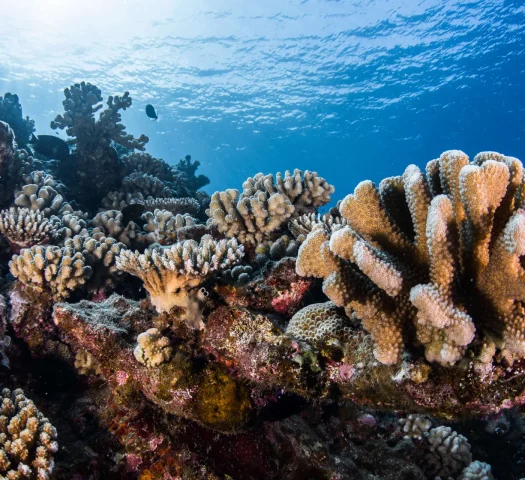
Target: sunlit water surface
{"x":351,"y":89}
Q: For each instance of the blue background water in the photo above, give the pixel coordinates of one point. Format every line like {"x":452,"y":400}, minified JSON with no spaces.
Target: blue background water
{"x":351,"y":89}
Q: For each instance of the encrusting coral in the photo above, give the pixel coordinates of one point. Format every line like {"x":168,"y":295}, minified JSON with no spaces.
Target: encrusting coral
{"x":438,"y":253}
{"x":152,"y":348}
{"x":27,"y":439}
{"x":265,"y":204}
{"x":169,"y":273}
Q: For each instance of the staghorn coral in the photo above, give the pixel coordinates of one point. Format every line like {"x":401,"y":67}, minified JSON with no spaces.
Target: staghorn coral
{"x":11,"y":113}
{"x":152,"y":348}
{"x":477,"y":471}
{"x":436,"y":253}
{"x":415,"y":426}
{"x":24,"y":228}
{"x":169,"y":273}
{"x":58,"y":271}
{"x":318,"y":323}
{"x":27,"y":439}
{"x":94,"y":167}
{"x":448,"y":453}
{"x":265,"y":205}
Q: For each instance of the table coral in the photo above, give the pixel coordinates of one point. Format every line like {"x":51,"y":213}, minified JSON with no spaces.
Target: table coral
{"x":170,"y":273}
{"x":27,"y":439}
{"x":436,"y":253}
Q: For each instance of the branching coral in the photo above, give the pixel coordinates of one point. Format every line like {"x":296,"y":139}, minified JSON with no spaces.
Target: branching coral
{"x":188,"y":168}
{"x":163,"y":227}
{"x":24,"y":228}
{"x":186,"y":205}
{"x":94,"y":167}
{"x":40,"y":193}
{"x":111,"y":224}
{"x":265,"y":205}
{"x":145,"y":163}
{"x":27,"y":439}
{"x":14,"y":164}
{"x":415,"y":426}
{"x":301,"y":226}
{"x":58,"y":271}
{"x":318,"y":323}
{"x":449,"y":453}
{"x":169,"y":273}
{"x":438,"y":253}
{"x":11,"y":113}
{"x":477,"y":471}
{"x":152,"y":348}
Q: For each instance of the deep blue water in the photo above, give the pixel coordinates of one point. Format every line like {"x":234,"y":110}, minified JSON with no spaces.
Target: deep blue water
{"x":351,"y":89}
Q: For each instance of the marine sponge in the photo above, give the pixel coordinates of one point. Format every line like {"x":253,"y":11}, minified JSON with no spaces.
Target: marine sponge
{"x":169,"y":273}
{"x":436,"y":253}
{"x":27,"y":439}
{"x":152,"y":348}
{"x":318,"y":323}
{"x":265,"y":205}
{"x":24,"y":228}
{"x":449,"y":453}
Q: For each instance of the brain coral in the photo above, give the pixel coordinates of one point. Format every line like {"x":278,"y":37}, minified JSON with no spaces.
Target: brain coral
{"x":27,"y":439}
{"x":436,"y":254}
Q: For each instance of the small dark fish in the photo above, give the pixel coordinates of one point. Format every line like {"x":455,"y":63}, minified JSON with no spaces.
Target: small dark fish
{"x":133,"y":213}
{"x":50,"y":146}
{"x":150,"y":111}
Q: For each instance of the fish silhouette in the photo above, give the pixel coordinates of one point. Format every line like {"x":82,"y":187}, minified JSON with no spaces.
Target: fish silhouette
{"x":150,"y":111}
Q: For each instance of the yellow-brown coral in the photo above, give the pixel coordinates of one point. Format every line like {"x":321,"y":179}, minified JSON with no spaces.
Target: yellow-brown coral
{"x":438,"y":254}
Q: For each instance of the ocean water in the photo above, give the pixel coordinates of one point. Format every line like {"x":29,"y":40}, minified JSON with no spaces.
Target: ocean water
{"x":352,"y":89}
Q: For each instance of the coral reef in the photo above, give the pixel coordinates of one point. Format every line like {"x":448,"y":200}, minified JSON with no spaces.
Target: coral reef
{"x":28,"y":440}
{"x":164,"y":342}
{"x":171,"y":273}
{"x":429,"y":253}
{"x":265,"y":205}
